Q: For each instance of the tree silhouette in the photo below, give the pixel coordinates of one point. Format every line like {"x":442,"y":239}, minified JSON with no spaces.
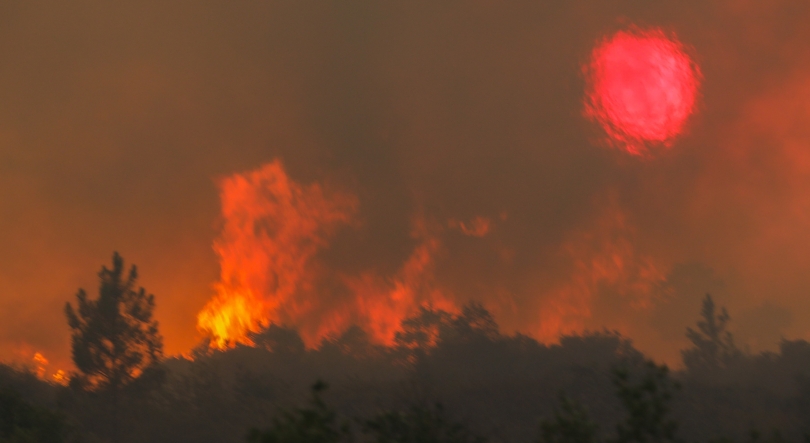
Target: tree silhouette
{"x":418,"y":425}
{"x":424,"y":330}
{"x":714,"y":345}
{"x":475,"y":322}
{"x":431,"y":328}
{"x":21,"y":422}
{"x":314,"y":424}
{"x":279,"y":340}
{"x":647,"y":405}
{"x":571,"y":424}
{"x":114,"y":338}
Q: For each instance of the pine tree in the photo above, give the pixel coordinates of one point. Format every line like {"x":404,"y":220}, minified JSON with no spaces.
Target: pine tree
{"x":114,"y":338}
{"x":647,"y":403}
{"x":714,"y":345}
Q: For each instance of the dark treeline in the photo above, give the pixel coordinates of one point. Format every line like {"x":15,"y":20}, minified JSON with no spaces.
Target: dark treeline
{"x":449,"y":378}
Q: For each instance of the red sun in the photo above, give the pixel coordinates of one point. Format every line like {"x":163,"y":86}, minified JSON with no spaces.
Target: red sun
{"x":642,"y":88}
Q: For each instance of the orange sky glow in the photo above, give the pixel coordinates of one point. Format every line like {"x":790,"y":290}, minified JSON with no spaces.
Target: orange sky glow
{"x":327,"y":164}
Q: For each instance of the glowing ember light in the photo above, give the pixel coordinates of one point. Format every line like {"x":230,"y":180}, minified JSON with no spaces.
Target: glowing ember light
{"x":642,"y":87}
{"x":41,"y":363}
{"x":60,"y":377}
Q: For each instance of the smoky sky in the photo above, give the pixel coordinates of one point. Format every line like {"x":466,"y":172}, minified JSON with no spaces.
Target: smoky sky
{"x":118,"y":119}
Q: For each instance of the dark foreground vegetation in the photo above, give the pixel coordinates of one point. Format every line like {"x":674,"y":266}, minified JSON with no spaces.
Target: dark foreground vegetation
{"x":449,"y":378}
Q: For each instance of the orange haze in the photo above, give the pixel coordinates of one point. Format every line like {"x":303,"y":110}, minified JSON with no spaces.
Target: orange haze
{"x":435,"y":153}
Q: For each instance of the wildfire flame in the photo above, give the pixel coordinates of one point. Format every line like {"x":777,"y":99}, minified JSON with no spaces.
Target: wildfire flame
{"x":382,"y":303}
{"x":272,"y":229}
{"x":602,"y":255}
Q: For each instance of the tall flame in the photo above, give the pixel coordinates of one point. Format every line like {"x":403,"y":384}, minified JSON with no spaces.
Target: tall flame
{"x":272,"y":229}
{"x":382,"y":303}
{"x":602,"y":255}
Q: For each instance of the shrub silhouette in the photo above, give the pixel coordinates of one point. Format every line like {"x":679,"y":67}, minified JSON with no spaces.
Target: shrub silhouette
{"x":316,"y":423}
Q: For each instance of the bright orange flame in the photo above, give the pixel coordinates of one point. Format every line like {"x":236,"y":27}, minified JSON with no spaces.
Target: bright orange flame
{"x":383,"y":303}
{"x":603,"y":256}
{"x":272,"y":229}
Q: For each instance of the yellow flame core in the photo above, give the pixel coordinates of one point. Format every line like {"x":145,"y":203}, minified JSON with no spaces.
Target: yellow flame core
{"x":228,"y":319}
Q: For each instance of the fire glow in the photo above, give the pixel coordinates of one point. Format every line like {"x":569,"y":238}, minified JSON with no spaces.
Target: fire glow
{"x":271,"y":272}
{"x":272,"y":230}
{"x":642,"y":87}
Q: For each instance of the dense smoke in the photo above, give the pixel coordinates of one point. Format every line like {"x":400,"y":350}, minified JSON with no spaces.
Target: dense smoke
{"x":455,"y":128}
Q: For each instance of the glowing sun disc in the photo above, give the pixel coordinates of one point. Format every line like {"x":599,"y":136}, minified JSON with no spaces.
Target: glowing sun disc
{"x":641,"y":88}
